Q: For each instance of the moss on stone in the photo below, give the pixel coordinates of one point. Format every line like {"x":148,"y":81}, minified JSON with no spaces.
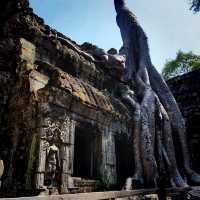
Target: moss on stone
{"x":31,"y":161}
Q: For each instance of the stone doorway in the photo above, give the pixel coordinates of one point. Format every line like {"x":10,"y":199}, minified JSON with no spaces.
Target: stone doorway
{"x":124,"y":158}
{"x":87,"y":153}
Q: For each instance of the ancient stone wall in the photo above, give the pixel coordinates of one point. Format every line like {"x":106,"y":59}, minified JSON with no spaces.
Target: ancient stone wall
{"x":186,"y":90}
{"x":49,"y":87}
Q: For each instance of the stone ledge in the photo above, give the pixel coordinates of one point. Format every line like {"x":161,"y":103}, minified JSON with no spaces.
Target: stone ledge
{"x":91,"y":196}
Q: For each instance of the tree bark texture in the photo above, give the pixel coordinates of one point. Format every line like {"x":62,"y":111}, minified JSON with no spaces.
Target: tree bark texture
{"x":156,"y":104}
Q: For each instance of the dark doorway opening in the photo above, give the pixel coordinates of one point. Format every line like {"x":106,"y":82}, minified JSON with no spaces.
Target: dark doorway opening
{"x":86,"y":153}
{"x":124,"y":159}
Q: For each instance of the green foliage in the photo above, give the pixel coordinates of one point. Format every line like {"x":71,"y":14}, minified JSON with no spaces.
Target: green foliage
{"x":183,"y":63}
{"x":195,"y":5}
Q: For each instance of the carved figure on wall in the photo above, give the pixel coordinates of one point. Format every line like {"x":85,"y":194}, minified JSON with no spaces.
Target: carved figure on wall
{"x":54,"y":139}
{"x":52,"y":175}
{"x":52,"y":166}
{"x":49,"y":166}
{"x":160,"y":116}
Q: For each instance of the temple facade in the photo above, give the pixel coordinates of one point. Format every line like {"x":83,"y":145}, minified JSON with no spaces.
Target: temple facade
{"x":63,"y":126}
{"x":61,"y":129}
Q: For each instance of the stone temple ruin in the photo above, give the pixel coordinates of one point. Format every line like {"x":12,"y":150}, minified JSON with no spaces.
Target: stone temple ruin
{"x":186,"y":90}
{"x":63,"y":128}
{"x":56,"y":110}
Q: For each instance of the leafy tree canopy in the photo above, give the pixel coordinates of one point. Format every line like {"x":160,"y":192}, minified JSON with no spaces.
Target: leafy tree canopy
{"x":183,"y":63}
{"x":195,"y":5}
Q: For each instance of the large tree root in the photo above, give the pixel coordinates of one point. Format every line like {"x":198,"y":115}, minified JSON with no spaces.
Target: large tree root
{"x":153,"y":95}
{"x":176,"y":120}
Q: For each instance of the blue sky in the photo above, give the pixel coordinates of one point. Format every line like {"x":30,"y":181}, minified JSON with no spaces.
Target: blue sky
{"x":169,"y":25}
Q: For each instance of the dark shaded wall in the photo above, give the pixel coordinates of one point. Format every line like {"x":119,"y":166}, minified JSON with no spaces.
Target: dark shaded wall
{"x":186,"y":90}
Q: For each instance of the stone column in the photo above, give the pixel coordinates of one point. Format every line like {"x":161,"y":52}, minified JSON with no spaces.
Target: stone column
{"x":41,"y":165}
{"x":108,"y":167}
{"x":67,"y":156}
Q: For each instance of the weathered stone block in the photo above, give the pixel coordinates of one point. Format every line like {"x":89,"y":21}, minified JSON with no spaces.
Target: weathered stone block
{"x":37,"y":81}
{"x":28,"y":51}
